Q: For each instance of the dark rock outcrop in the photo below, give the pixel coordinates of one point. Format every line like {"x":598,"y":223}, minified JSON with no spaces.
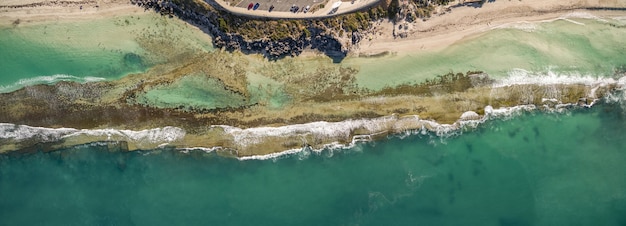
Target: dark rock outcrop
{"x":272,"y":49}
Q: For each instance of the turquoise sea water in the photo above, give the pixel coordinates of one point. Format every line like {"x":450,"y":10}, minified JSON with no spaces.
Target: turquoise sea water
{"x":51,"y":61}
{"x":193,"y":91}
{"x":533,"y":169}
{"x":91,"y":50}
{"x":566,"y":46}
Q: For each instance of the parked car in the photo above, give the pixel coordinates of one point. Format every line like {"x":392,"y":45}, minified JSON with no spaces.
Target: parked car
{"x":250,"y":6}
{"x":256,"y":6}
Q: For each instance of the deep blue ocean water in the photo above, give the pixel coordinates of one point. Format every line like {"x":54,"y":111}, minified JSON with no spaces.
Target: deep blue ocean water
{"x":533,"y":169}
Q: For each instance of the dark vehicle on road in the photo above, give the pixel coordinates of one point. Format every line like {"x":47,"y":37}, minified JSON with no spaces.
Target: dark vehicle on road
{"x":250,"y":6}
{"x":271,"y":8}
{"x":256,"y":6}
{"x":294,"y":9}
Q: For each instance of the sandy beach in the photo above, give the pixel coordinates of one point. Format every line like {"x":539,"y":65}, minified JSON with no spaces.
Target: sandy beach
{"x":449,"y":25}
{"x":459,"y":23}
{"x":70,"y":10}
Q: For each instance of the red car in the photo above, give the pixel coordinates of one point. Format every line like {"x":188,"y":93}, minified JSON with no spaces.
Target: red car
{"x":250,"y":6}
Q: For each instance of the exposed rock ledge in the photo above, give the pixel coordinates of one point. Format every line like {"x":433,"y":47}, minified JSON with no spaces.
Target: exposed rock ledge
{"x":272,"y":49}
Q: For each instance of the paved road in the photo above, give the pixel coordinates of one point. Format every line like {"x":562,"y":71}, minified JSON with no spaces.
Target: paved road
{"x":281,"y":8}
{"x":279,"y":5}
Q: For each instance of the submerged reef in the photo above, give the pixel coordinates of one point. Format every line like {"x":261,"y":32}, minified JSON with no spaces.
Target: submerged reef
{"x":312,"y":108}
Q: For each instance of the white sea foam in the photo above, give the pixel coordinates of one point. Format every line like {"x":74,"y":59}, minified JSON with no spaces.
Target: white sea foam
{"x":51,"y":79}
{"x":392,"y":124}
{"x":204,"y":149}
{"x":271,"y":155}
{"x":22,"y":132}
{"x":521,"y":25}
{"x":573,"y":21}
{"x":621,"y":82}
{"x":576,"y":15}
{"x":407,"y":125}
{"x":155,"y":136}
{"x":523,"y":77}
{"x":245,"y":137}
{"x":305,"y":151}
{"x":620,"y":19}
{"x":554,"y":100}
{"x":508,"y":111}
{"x":583,"y":15}
{"x":469,"y":115}
{"x":534,"y":26}
{"x":618,"y":97}
{"x":441,"y":130}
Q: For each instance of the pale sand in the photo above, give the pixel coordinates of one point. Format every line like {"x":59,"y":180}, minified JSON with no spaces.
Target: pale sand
{"x":446,"y":28}
{"x":95,"y":9}
{"x":439,"y":31}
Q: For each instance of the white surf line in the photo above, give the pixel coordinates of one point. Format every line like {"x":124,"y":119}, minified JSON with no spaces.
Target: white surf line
{"x":573,"y":21}
{"x":584,"y":15}
{"x":271,"y":155}
{"x":441,"y":130}
{"x":519,"y":25}
{"x":157,"y":135}
{"x":523,"y":77}
{"x":529,"y":26}
{"x":48,"y":79}
{"x":331,"y":130}
{"x":22,"y":132}
{"x":467,"y":119}
{"x":250,"y":136}
{"x":204,"y":149}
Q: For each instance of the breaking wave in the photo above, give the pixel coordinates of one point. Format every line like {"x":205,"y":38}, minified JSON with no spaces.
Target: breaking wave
{"x":410,"y":125}
{"x":524,"y":77}
{"x":529,"y":26}
{"x":331,"y":131}
{"x":51,"y":79}
{"x":154,"y":136}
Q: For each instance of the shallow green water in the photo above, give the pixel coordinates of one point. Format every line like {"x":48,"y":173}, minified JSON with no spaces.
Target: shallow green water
{"x":569,"y":47}
{"x":535,"y":169}
{"x":193,"y":91}
{"x":41,"y":60}
{"x":94,"y":50}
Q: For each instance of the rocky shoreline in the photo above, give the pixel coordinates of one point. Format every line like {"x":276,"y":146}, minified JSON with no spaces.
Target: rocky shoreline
{"x":238,"y":134}
{"x":316,"y":39}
